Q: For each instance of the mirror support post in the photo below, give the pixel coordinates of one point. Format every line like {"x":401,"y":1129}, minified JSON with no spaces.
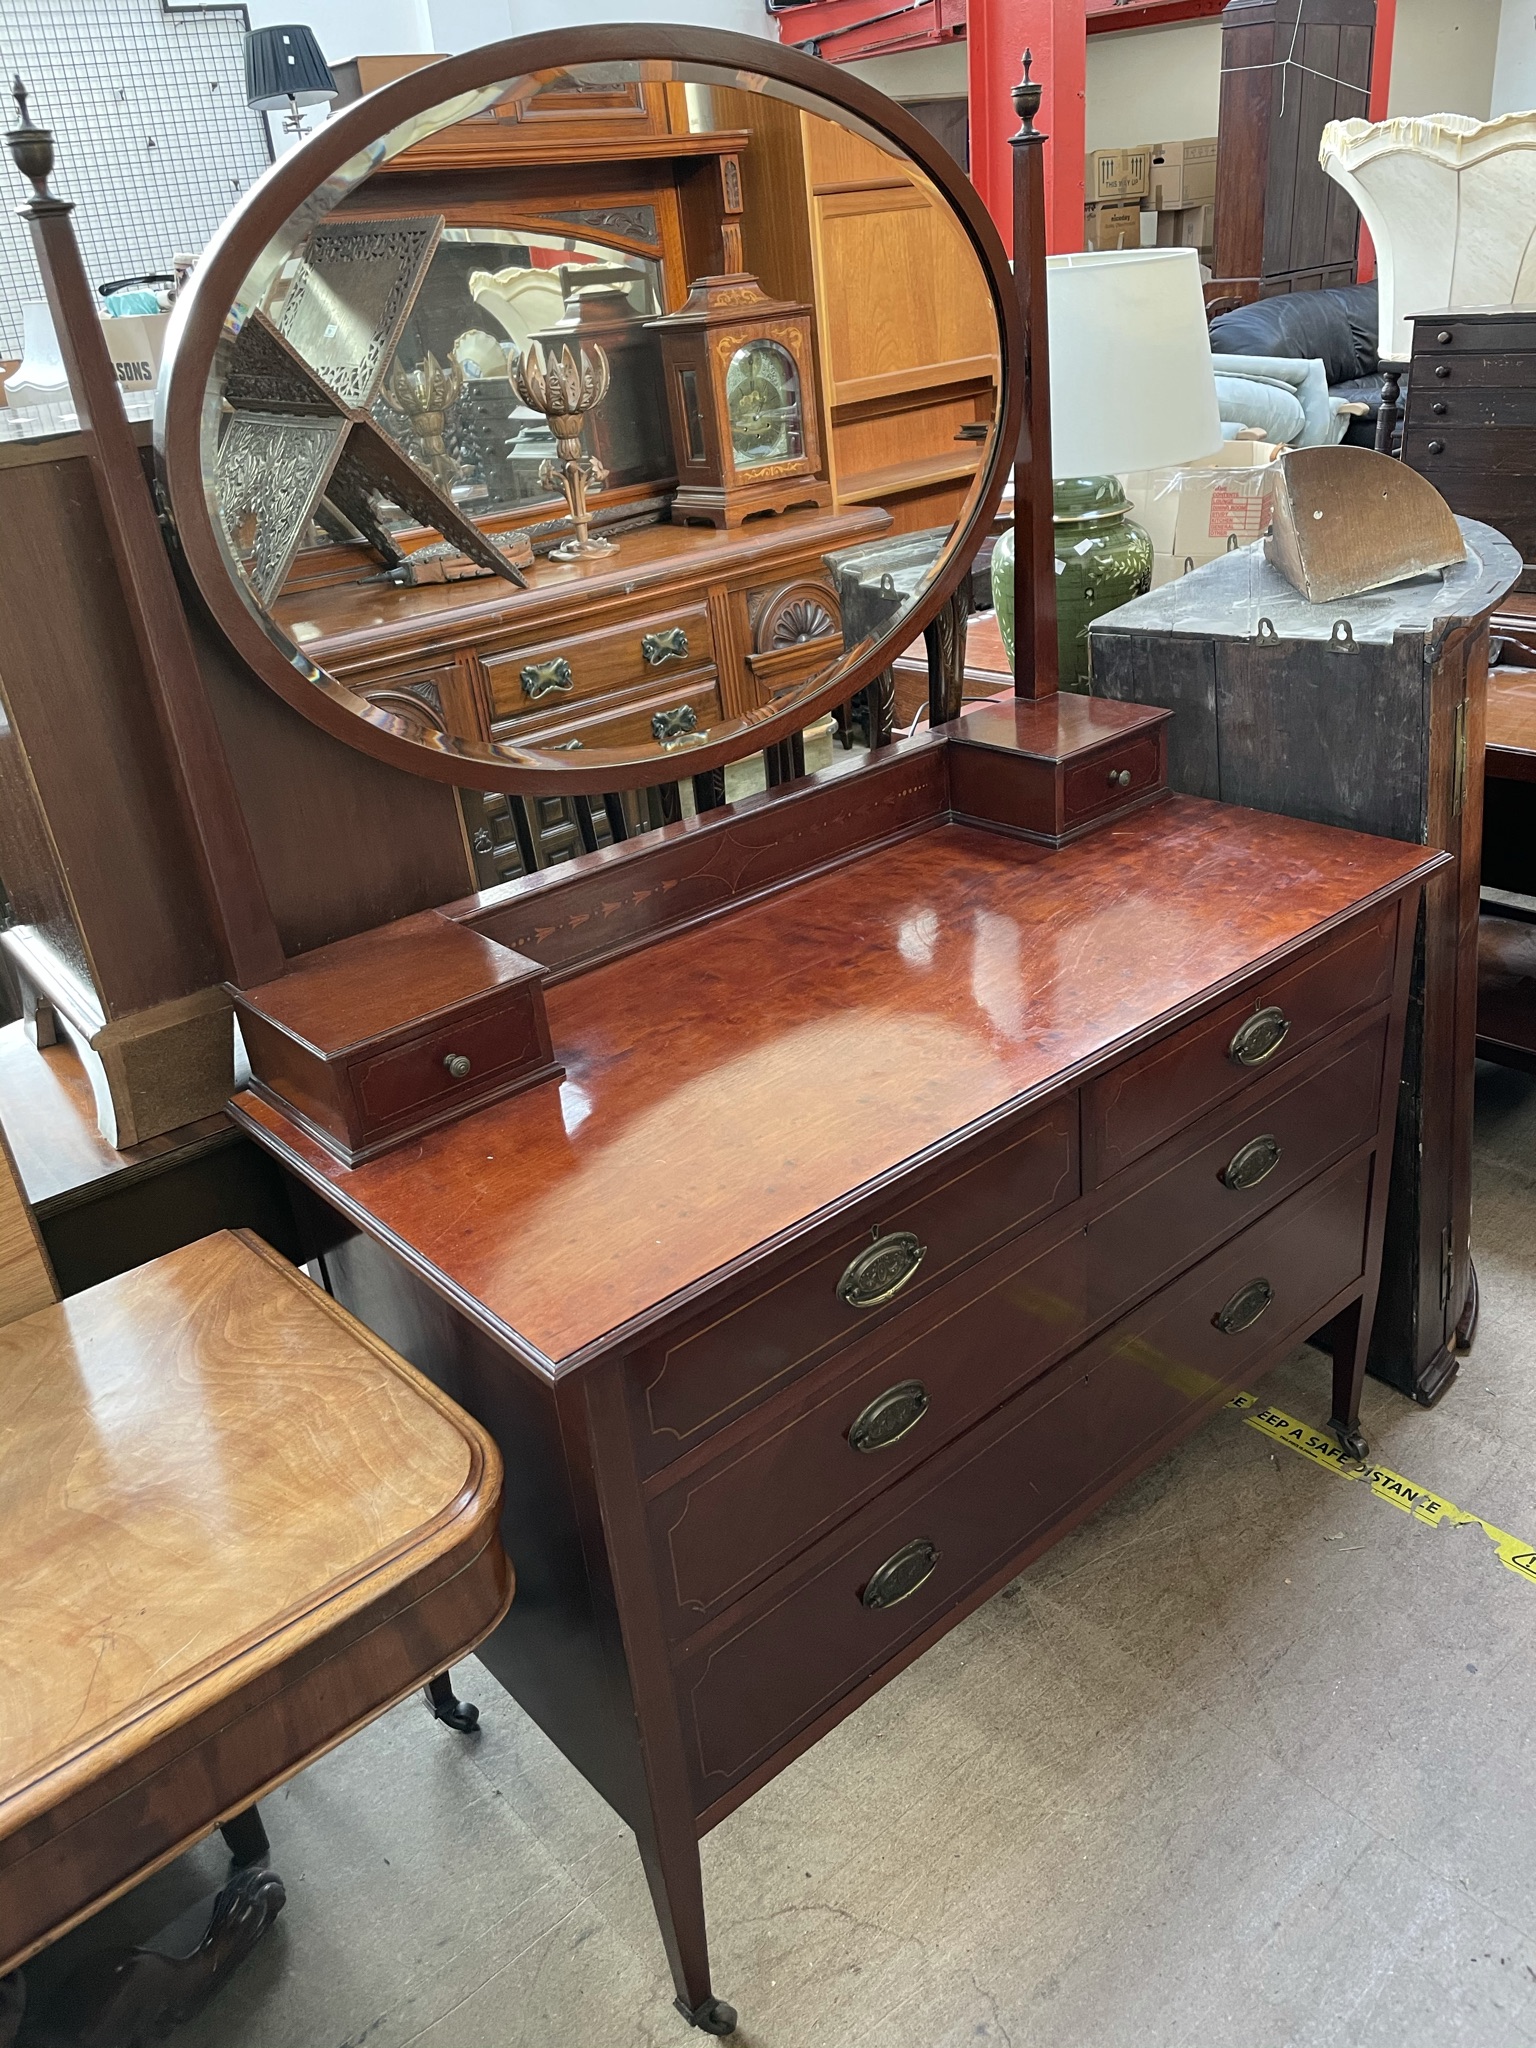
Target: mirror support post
{"x":1035,"y":658}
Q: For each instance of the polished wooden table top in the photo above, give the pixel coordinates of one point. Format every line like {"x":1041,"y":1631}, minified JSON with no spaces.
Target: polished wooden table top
{"x":734,"y":1079}
{"x":343,"y":622}
{"x":207,"y":1465}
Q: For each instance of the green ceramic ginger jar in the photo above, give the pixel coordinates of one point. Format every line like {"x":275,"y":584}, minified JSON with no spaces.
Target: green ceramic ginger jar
{"x":1102,"y":560}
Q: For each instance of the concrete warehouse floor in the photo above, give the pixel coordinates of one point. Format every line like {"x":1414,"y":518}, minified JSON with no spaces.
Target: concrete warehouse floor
{"x":1246,"y":1762}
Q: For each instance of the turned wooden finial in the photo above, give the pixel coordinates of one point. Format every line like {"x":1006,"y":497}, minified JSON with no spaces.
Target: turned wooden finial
{"x":1026,"y":100}
{"x":32,"y":151}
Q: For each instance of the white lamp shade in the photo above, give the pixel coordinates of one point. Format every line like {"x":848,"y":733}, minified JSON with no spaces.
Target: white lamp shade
{"x":1131,"y":380}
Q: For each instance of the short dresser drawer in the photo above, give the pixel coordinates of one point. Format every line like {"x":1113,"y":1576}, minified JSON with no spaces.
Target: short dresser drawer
{"x":1113,"y":778}
{"x":868,"y":1266}
{"x":1207,"y":1184}
{"x":532,"y":681}
{"x":749,"y":1682}
{"x":793,"y":1469}
{"x":1145,"y":1100}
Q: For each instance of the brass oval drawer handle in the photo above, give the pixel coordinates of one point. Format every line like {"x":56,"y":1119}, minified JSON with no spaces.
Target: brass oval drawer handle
{"x":900,"y":1576}
{"x":545,"y":678}
{"x":1251,"y":1163}
{"x":889,"y":1417}
{"x":1119,"y":778}
{"x":669,"y":645}
{"x":1245,"y":1308}
{"x":1259,"y":1037}
{"x":457,"y":1065}
{"x":879,"y":1272}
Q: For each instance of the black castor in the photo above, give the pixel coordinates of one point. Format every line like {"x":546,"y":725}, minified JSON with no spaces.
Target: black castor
{"x":714,"y":2016}
{"x":450,"y":1710}
{"x":1352,"y":1442}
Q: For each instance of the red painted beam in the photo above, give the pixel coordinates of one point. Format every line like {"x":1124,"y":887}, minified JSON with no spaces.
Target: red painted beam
{"x":824,"y":22}
{"x":1056,"y":32}
{"x":913,"y":28}
{"x":821,"y":19}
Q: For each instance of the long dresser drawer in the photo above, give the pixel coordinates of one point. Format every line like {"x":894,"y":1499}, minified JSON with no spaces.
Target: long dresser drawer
{"x":1195,"y":1191}
{"x":1145,"y":1100}
{"x":787,"y":1473}
{"x":530,"y":681}
{"x":766,"y":1669}
{"x":886,"y":1252}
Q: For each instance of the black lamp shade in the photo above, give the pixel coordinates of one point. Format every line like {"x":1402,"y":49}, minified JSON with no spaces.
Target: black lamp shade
{"x":284,"y":66}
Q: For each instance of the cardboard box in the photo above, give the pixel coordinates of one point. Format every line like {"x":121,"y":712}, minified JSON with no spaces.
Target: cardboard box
{"x":135,"y":342}
{"x":1182,"y":173}
{"x":1112,"y":227}
{"x":1117,"y":174}
{"x":1187,"y":227}
{"x":1196,"y":512}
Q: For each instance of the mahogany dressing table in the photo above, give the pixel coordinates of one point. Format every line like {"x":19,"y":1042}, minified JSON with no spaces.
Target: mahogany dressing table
{"x":827,"y":1200}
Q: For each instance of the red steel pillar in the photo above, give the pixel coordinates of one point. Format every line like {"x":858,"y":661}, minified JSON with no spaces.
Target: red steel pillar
{"x":1381,"y":88}
{"x":998,"y":32}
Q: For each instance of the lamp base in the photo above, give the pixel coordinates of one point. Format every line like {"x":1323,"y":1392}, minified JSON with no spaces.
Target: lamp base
{"x":1103,"y":560}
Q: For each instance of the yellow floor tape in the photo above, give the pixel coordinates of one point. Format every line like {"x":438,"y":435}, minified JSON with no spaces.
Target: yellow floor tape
{"x":1515,"y":1554}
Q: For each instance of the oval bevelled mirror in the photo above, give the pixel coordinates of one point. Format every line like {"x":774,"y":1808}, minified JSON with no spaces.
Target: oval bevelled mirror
{"x":577,"y":415}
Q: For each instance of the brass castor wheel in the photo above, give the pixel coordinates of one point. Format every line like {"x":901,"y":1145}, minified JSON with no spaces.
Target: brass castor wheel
{"x":1352,"y":1442}
{"x":714,"y":2016}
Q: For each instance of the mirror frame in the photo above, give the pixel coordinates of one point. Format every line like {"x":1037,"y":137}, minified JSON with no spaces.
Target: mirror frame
{"x":198,"y":323}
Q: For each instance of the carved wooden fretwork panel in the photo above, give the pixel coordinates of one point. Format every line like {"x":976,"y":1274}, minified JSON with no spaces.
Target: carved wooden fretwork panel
{"x":352,"y":296}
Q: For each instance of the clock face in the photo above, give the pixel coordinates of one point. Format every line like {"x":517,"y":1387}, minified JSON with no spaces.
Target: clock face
{"x":762,"y":397}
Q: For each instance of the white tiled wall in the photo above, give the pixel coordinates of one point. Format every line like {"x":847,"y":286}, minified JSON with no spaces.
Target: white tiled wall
{"x":154,"y":140}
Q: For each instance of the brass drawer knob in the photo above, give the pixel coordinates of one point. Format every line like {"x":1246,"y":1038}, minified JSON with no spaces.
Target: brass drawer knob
{"x":1245,"y":1308}
{"x":900,"y":1576}
{"x":546,"y":678}
{"x":1251,"y":1163}
{"x":1119,"y":778}
{"x":889,"y":1416}
{"x":457,"y":1065}
{"x":1442,"y":369}
{"x":1437,"y":447}
{"x":879,"y":1272}
{"x":1258,"y":1037}
{"x":670,"y":645}
{"x":1444,"y":335}
{"x":1440,"y":408}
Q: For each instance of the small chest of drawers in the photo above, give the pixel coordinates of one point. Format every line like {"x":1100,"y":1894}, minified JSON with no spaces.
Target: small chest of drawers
{"x":1470,"y":421}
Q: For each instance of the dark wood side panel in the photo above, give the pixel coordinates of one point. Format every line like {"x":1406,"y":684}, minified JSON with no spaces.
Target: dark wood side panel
{"x":343,"y":842}
{"x":1178,"y":674}
{"x":79,"y":709}
{"x":549,"y":1652}
{"x":1285,"y":713}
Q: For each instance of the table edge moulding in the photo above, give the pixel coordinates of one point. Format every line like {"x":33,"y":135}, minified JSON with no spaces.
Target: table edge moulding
{"x":825,"y":1202}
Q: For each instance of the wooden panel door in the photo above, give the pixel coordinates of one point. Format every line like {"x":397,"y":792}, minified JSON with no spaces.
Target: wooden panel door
{"x":1288,"y":68}
{"x":908,"y":339}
